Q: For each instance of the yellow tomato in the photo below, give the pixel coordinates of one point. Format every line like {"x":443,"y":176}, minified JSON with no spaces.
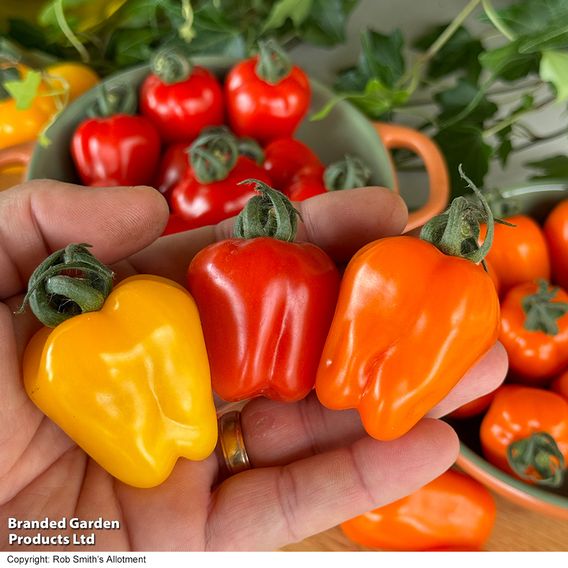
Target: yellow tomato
{"x":78,"y":77}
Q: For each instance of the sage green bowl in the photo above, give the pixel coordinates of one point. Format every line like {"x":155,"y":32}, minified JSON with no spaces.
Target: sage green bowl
{"x":344,"y":131}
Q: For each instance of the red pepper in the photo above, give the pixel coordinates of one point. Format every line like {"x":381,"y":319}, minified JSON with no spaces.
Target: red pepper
{"x":266,"y":96}
{"x":117,"y":148}
{"x":210,"y":191}
{"x":180,"y":99}
{"x":265,"y":303}
{"x":284,"y":158}
{"x":174,"y":166}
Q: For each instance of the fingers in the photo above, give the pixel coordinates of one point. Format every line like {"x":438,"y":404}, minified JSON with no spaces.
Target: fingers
{"x":339,"y":222}
{"x":481,"y":379}
{"x":42,"y":216}
{"x":269,"y":507}
{"x":278,"y":434}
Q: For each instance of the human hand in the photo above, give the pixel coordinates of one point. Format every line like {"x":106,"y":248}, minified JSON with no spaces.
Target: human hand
{"x":312,"y":468}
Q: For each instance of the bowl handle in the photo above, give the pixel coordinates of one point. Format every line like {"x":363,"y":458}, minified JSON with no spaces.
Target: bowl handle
{"x":19,"y":155}
{"x":397,"y":136}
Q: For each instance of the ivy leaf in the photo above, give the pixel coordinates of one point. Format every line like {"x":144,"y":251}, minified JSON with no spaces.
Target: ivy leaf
{"x":327,"y":21}
{"x":130,"y":47}
{"x":464,"y":144}
{"x":455,"y":100}
{"x":295,"y":10}
{"x":381,"y":58}
{"x":509,"y":63}
{"x":554,"y":68}
{"x":528,"y":17}
{"x":25,"y":90}
{"x":555,"y":167}
{"x":505,"y":146}
{"x":460,"y":54}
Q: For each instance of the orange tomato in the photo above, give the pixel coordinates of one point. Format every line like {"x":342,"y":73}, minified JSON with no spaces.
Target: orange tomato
{"x":556,"y":233}
{"x":535,"y":355}
{"x":519,"y":254}
{"x":525,"y":433}
{"x":451,"y":512}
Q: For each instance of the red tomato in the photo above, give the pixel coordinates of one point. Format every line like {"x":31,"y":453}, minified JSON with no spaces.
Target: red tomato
{"x":181,"y":108}
{"x":285,"y":157}
{"x":202,"y":204}
{"x":174,"y":166}
{"x":556,"y":232}
{"x":176,"y":225}
{"x":265,"y":306}
{"x":519,"y":254}
{"x":122,"y":148}
{"x":261,"y":109}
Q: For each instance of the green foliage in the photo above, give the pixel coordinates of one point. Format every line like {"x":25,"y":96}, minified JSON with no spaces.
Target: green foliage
{"x":452,"y":66}
{"x":553,"y":168}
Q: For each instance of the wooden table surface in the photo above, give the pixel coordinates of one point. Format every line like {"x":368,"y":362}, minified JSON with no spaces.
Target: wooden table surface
{"x":516,"y":529}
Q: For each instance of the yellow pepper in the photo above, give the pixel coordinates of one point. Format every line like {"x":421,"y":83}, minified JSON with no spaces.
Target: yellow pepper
{"x":78,"y":78}
{"x":130,"y":383}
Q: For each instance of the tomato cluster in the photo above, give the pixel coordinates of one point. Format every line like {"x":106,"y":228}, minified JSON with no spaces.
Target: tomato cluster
{"x":195,"y":139}
{"x":525,"y":428}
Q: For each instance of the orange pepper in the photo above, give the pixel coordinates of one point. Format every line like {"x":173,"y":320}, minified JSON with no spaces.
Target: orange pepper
{"x":451,"y":512}
{"x":409,"y":322}
{"x":534,"y":331}
{"x":560,"y":385}
{"x":519,"y":254}
{"x":556,"y":233}
{"x":525,"y":433}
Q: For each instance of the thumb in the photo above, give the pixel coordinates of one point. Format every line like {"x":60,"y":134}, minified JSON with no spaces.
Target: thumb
{"x":39,"y":217}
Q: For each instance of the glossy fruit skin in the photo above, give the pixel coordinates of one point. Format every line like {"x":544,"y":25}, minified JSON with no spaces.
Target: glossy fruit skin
{"x":518,"y":254}
{"x":285,"y":157}
{"x":409,"y":323}
{"x":123,"y":149}
{"x":306,"y":183}
{"x":181,"y":110}
{"x":517,"y":412}
{"x":18,"y":126}
{"x":451,"y":512}
{"x":560,"y":385}
{"x":174,"y":166}
{"x":534,"y":356}
{"x":473,"y":408}
{"x":200,"y":204}
{"x":130,"y":384}
{"x":266,"y":306}
{"x":79,"y":78}
{"x":261,"y":110}
{"x":556,"y":233}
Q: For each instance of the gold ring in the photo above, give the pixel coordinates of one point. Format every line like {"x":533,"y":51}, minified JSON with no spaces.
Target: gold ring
{"x":232,"y":442}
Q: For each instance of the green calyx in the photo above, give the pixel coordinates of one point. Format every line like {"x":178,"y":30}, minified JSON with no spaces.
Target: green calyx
{"x":213,"y":154}
{"x":456,"y":231}
{"x":349,"y":173}
{"x":542,"y":313}
{"x":251,"y":149}
{"x":114,"y":99}
{"x":69,"y":282}
{"x":501,"y":206}
{"x":171,"y":65}
{"x":537,"y":459}
{"x":8,"y":74}
{"x":273,"y":63}
{"x":269,"y":214}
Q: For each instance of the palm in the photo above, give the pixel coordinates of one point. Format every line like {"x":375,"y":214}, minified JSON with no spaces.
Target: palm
{"x":290,"y":493}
